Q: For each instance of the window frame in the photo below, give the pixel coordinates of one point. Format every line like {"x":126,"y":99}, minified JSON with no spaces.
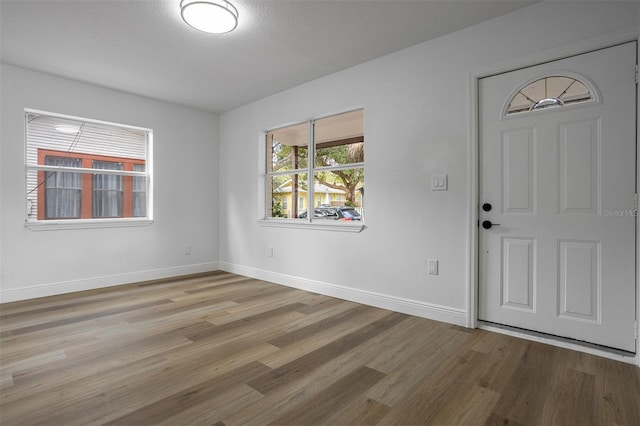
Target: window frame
{"x":309,"y":170}
{"x":86,"y":220}
{"x":593,"y":90}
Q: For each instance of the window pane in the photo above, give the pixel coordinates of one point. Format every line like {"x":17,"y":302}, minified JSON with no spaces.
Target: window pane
{"x":549,"y":92}
{"x":33,"y":186}
{"x":63,"y":190}
{"x":340,"y":188}
{"x":287,"y":148}
{"x":286,"y":196}
{"x":339,"y":139}
{"x":107,"y":191}
{"x":139,"y":200}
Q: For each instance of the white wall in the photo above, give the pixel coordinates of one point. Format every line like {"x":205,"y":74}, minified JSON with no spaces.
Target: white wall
{"x":417,"y":123}
{"x":39,"y":263}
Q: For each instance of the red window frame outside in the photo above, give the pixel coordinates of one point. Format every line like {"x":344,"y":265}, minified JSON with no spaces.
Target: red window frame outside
{"x":87,"y":181}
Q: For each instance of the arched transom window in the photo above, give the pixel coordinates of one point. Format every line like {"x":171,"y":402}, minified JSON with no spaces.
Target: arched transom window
{"x":549,"y":92}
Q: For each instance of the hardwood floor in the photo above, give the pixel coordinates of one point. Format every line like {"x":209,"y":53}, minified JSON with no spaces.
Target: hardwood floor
{"x":222,"y":349}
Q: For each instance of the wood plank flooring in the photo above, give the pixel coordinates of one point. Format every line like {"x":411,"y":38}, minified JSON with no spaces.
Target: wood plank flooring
{"x":222,"y":349}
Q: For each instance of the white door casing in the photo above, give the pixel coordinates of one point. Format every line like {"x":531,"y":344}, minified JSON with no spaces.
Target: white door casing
{"x":561,"y":183}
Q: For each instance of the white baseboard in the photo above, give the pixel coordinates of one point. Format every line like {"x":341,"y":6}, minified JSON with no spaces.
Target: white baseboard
{"x":393,"y":303}
{"x":52,"y":289}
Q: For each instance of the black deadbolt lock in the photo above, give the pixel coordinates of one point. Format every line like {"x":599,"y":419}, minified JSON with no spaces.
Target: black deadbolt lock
{"x":486,"y":207}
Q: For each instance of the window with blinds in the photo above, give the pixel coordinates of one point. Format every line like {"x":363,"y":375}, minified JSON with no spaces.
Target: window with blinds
{"x":86,"y":170}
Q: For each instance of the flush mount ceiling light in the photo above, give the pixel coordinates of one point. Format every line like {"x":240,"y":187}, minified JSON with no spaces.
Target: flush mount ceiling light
{"x":210,"y":16}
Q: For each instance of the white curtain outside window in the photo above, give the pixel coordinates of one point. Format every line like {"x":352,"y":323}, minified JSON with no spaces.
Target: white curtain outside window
{"x":139,"y":202}
{"x":107,"y":191}
{"x":63,"y":189}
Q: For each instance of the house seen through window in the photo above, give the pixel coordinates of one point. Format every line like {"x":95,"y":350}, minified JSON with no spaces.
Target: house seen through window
{"x":80,"y":169}
{"x":315,"y":169}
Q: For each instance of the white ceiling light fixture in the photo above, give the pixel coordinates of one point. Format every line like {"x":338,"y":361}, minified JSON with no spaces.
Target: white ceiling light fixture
{"x":210,"y":16}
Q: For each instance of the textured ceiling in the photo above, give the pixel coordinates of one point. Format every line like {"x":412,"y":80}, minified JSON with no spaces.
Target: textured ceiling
{"x":143,"y":46}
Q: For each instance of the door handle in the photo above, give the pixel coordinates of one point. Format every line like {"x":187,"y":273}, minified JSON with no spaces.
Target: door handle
{"x":488,"y":225}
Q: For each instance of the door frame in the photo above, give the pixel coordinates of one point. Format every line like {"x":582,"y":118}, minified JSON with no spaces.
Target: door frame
{"x":573,"y":49}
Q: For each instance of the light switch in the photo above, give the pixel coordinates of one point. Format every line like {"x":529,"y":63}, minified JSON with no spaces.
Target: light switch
{"x":433,"y":267}
{"x":439,"y":183}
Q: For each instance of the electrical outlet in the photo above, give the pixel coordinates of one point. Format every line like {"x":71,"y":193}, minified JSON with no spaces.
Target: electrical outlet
{"x":270,"y":252}
{"x":433,"y":267}
{"x":439,"y":183}
{"x":187,"y":251}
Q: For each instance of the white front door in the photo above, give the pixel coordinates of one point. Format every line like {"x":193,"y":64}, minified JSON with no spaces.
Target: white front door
{"x":559,"y":182}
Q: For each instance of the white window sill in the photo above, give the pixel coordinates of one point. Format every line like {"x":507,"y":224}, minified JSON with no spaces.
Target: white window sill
{"x":317,"y":225}
{"x":49,"y":225}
